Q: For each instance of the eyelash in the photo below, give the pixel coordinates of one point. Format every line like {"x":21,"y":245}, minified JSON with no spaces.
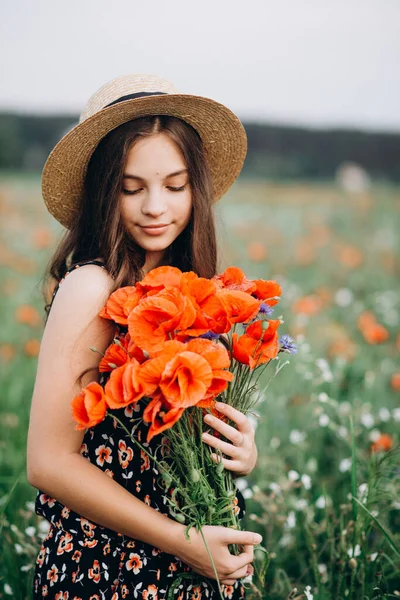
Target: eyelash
{"x":173,"y":189}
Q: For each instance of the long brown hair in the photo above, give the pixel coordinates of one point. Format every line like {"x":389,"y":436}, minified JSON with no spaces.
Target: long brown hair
{"x":99,"y":230}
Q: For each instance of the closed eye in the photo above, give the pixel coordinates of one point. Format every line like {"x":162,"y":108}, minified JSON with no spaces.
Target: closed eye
{"x":173,"y":189}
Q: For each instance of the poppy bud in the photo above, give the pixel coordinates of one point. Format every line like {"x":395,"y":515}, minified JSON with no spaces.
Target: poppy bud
{"x":264,"y":325}
{"x":195,"y":475}
{"x":353,"y":563}
{"x":178,"y":517}
{"x":220,"y":468}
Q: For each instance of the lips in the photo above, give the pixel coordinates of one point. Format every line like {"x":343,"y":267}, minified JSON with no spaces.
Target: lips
{"x":154,"y":229}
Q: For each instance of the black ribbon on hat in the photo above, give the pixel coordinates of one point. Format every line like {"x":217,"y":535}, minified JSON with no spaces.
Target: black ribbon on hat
{"x":133,"y":96}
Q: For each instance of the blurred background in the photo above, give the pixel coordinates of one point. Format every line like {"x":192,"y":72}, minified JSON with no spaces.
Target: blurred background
{"x":316,"y":207}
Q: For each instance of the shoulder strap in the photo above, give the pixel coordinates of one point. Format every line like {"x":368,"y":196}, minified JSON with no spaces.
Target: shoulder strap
{"x":75,"y":266}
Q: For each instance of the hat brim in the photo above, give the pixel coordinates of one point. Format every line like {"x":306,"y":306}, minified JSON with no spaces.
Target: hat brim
{"x":222,"y":134}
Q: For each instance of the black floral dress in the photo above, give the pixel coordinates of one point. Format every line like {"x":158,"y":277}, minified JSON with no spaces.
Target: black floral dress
{"x":81,"y":560}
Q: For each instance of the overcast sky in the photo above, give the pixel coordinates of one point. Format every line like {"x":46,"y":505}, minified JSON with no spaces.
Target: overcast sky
{"x":313,"y":62}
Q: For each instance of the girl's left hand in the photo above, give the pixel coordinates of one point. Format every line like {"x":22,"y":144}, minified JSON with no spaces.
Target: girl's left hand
{"x":242,"y":450}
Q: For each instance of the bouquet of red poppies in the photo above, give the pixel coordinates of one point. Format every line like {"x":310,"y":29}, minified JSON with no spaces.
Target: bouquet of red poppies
{"x":185,"y":342}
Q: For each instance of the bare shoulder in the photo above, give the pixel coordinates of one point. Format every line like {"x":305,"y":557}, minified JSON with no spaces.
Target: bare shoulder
{"x":85,"y":290}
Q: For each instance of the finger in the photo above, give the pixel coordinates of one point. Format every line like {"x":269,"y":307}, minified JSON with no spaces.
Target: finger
{"x":235,"y":415}
{"x":243,"y":559}
{"x":241,"y":537}
{"x":230,"y":465}
{"x":231,"y":433}
{"x":226,"y":448}
{"x":243,"y":572}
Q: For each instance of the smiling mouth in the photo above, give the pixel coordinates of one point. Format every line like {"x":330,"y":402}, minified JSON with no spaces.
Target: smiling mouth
{"x":154,"y":226}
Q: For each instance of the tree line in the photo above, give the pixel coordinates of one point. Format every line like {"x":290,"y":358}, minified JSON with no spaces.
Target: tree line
{"x":274,"y":151}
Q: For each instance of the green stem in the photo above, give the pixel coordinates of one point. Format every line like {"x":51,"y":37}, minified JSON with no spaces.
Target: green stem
{"x":213,"y":564}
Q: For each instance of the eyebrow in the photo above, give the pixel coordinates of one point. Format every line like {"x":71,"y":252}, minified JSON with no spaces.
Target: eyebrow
{"x":131,"y":176}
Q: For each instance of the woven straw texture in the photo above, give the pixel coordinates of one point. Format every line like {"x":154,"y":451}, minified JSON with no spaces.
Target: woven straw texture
{"x":222,"y":134}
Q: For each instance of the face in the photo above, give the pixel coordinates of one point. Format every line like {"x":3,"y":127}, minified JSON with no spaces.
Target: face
{"x":156,"y":199}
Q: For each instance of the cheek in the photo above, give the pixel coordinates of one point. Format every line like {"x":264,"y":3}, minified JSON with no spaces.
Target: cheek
{"x":183,"y":209}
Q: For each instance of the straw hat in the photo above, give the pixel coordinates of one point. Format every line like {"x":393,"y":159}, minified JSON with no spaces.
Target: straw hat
{"x":126,"y":98}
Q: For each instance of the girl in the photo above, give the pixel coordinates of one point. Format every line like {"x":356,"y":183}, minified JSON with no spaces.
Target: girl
{"x":134,"y":184}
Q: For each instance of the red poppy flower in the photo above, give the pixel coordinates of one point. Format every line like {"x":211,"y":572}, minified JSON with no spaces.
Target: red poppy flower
{"x":125,"y":385}
{"x":156,"y":317}
{"x":89,"y":407}
{"x":161,"y":415}
{"x":257,"y":346}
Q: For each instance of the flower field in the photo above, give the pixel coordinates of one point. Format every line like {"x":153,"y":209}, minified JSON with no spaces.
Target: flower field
{"x":325,"y":493}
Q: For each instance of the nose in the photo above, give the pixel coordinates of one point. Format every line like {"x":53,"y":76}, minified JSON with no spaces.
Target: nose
{"x":154,"y":203}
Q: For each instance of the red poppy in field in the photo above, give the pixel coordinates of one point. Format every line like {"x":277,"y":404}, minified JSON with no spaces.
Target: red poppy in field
{"x":257,"y":346}
{"x":395,"y":382}
{"x":89,"y":407}
{"x":28,"y":315}
{"x":156,"y":318}
{"x":120,"y":304}
{"x":375,"y":333}
{"x":125,"y":386}
{"x":308,"y":305}
{"x":116,"y":355}
{"x":383,"y":444}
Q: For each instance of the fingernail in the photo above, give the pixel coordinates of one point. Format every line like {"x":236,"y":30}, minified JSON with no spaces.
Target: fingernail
{"x":258,"y":538}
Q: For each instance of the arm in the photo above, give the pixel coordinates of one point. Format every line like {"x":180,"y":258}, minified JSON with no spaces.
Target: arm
{"x":54,"y":463}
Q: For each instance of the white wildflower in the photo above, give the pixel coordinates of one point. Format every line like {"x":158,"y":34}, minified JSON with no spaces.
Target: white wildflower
{"x":320,"y":502}
{"x":286,"y":539}
{"x":26,"y":567}
{"x":18,"y":548}
{"x":308,"y":593}
{"x":384,"y":414}
{"x":345,"y":465}
{"x":343,"y":297}
{"x":275,"y":487}
{"x":30,"y":531}
{"x":323,"y":397}
{"x":357,"y":551}
{"x":306,"y":481}
{"x":374,"y":435}
{"x":396,"y":414}
{"x":312,"y":465}
{"x":362,"y":492}
{"x":242,"y":483}
{"x":291,"y":520}
{"x":367,"y":420}
{"x":301,"y":504}
{"x":8,"y":590}
{"x":372,"y":557}
{"x":345,"y":408}
{"x":323,"y":420}
{"x":247,"y":493}
{"x":296,"y":436}
{"x":275,"y":442}
{"x":342,"y":431}
{"x":30,"y":505}
{"x":322,"y":568}
{"x":293,"y":475}
{"x":44,"y":526}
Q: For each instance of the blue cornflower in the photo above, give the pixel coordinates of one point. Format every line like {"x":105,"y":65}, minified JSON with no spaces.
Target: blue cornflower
{"x":210,"y":336}
{"x":287,"y":343}
{"x":266,"y":309}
